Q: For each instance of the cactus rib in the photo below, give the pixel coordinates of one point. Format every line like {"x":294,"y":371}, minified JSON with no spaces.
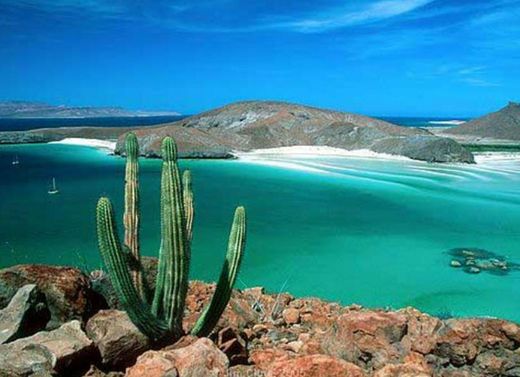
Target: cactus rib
{"x":131,"y":215}
{"x":187,"y":196}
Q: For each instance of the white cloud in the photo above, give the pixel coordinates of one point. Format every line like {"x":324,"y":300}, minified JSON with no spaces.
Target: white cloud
{"x":339,"y":18}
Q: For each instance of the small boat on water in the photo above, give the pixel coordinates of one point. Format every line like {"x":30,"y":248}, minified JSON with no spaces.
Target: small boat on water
{"x":15,"y":161}
{"x":53,"y":190}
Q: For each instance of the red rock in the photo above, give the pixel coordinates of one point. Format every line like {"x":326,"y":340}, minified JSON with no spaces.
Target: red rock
{"x":461,"y":340}
{"x":291,"y":316}
{"x":422,"y":331}
{"x":402,"y":370}
{"x":262,"y":358}
{"x":202,"y":358}
{"x":67,"y":291}
{"x":314,"y":366}
{"x":118,"y":340}
{"x":233,"y":346}
{"x":371,"y":337}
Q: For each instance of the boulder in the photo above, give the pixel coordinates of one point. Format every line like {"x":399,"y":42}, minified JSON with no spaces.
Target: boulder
{"x":25,"y":315}
{"x":201,"y":358}
{"x":370,"y":337}
{"x":66,"y":289}
{"x":291,"y":316}
{"x":461,"y":340}
{"x":314,"y":366}
{"x":64,"y":349}
{"x":118,"y":340}
{"x":422,"y":329}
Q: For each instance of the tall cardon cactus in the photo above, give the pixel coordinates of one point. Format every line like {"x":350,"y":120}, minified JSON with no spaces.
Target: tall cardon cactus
{"x":162,"y":317}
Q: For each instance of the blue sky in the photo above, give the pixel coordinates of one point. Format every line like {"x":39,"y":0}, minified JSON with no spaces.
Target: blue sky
{"x":377,"y":57}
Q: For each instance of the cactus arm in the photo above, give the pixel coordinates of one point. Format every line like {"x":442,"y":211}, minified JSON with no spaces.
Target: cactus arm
{"x":113,"y":256}
{"x":187,"y":196}
{"x":211,"y":314}
{"x":174,"y":258}
{"x":131,"y":215}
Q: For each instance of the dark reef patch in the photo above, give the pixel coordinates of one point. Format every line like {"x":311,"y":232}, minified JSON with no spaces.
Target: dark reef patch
{"x":474,"y":260}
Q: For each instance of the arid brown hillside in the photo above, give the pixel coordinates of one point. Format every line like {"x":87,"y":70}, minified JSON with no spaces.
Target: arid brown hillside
{"x":501,"y":125}
{"x":245,"y":126}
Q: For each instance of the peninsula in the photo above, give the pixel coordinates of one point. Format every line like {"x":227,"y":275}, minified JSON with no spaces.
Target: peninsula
{"x":252,"y":125}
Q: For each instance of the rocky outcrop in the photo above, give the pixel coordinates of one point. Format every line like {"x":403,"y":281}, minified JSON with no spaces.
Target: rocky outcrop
{"x":61,"y":351}
{"x":425,"y":148}
{"x":245,"y":126}
{"x":26,"y":314}
{"x":262,"y":334}
{"x":501,"y":125}
{"x":67,"y":291}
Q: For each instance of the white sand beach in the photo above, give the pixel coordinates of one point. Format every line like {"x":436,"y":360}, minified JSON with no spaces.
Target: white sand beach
{"x":94,"y":143}
{"x":315,"y":151}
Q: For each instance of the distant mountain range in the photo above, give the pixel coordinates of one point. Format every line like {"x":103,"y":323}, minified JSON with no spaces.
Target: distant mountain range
{"x":501,"y":125}
{"x":23,"y":109}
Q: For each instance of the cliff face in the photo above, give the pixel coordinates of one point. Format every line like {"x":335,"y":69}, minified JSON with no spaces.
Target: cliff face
{"x":501,"y":125}
{"x":245,"y":126}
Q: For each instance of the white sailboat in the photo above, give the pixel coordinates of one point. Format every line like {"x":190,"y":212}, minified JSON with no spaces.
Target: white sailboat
{"x":53,"y":190}
{"x":15,"y":161}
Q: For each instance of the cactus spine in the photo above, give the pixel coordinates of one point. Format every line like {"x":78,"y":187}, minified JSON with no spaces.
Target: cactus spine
{"x":131,"y":216}
{"x":163,"y":316}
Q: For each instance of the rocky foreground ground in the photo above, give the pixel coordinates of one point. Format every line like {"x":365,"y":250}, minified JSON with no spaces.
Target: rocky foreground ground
{"x":59,"y":321}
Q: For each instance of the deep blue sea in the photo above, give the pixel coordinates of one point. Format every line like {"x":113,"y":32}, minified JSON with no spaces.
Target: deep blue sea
{"x":7,"y":124}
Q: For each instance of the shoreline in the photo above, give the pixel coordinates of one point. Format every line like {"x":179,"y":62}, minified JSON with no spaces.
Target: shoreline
{"x":106,"y":145}
{"x":306,"y":151}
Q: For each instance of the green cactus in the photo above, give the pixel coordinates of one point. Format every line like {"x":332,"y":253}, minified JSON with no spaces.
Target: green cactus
{"x":163,"y":316}
{"x":211,"y":314}
{"x":131,"y":215}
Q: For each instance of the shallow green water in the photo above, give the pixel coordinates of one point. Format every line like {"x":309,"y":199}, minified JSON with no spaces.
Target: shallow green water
{"x":351,"y":230}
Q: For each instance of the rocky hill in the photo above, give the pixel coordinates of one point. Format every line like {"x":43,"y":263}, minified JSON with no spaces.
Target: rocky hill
{"x":23,"y":109}
{"x":246,"y":126}
{"x":501,"y":125}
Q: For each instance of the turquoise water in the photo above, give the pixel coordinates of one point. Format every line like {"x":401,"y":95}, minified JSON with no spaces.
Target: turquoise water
{"x":350,"y":230}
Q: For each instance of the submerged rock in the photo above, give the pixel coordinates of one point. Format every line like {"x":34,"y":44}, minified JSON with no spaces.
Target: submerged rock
{"x":455,"y":263}
{"x":477,"y":260}
{"x":26,"y":314}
